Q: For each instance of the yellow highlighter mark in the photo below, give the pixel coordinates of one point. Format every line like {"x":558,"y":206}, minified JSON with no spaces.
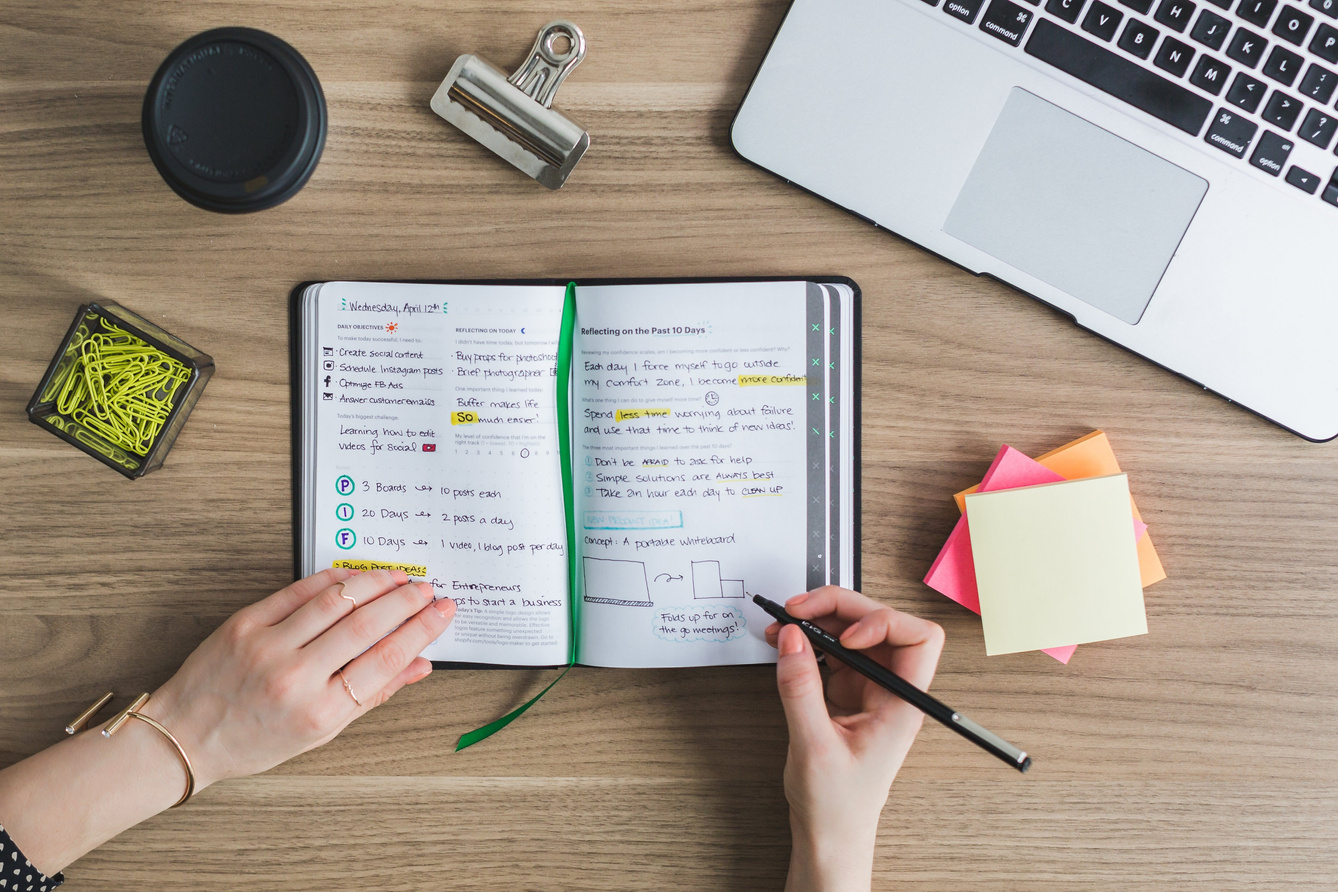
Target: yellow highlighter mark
{"x":464,"y":418}
{"x":417,"y":570}
{"x":772,"y":490}
{"x":626,"y":414}
{"x":771,"y":380}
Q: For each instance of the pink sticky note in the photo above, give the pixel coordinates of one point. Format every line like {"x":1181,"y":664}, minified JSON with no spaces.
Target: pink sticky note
{"x":954,"y":572}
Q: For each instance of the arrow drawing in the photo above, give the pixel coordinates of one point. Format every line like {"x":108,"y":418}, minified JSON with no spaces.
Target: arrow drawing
{"x":667,"y":578}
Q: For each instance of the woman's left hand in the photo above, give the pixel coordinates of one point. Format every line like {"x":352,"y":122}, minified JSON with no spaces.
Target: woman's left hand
{"x":266,"y":685}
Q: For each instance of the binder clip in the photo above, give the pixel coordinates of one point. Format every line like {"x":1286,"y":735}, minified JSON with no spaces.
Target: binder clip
{"x":513,"y":115}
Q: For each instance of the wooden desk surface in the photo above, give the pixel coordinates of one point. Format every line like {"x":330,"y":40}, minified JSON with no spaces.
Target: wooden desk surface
{"x":1203,"y":755}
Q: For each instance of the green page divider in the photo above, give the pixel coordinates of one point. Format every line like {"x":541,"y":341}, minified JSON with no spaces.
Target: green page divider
{"x":565,"y":337}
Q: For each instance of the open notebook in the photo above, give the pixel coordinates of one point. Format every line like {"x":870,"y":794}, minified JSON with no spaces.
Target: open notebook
{"x":713,"y":455}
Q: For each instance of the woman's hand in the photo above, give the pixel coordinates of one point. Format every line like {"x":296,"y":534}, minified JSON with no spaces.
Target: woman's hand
{"x":261,"y":689}
{"x":265,"y":686}
{"x":846,"y":747}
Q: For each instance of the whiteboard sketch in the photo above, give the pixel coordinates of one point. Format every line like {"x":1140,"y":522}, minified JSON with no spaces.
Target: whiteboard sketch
{"x":622,"y":583}
{"x":706,"y":582}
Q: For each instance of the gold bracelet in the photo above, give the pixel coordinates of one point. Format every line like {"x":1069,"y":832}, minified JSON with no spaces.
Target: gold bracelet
{"x":132,"y":712}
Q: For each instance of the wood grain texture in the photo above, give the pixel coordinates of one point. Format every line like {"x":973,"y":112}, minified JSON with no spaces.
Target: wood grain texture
{"x":1203,"y":755}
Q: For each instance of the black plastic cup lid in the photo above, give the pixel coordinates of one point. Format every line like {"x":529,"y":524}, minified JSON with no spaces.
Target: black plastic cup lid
{"x":234,"y":120}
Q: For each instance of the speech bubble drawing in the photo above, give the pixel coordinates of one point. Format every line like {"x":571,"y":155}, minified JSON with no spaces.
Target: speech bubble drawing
{"x":695,"y":623}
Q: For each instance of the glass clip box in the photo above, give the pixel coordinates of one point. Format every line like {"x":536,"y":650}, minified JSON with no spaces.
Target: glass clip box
{"x":120,"y":388}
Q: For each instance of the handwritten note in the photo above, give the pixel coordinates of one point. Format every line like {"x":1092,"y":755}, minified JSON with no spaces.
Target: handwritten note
{"x":690,"y":470}
{"x":442,"y":453}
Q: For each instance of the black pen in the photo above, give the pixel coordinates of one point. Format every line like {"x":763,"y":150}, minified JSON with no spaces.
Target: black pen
{"x":881,"y":675}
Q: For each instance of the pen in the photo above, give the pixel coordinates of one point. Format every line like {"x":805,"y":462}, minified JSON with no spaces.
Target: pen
{"x":930,"y":706}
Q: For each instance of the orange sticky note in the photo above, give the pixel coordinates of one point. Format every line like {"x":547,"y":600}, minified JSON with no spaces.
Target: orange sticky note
{"x":1091,"y":456}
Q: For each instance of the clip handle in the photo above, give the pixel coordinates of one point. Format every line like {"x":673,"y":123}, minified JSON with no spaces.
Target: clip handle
{"x":546,"y":68}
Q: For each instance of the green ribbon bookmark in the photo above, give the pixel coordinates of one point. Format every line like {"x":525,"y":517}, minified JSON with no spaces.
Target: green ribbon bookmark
{"x":564,"y":456}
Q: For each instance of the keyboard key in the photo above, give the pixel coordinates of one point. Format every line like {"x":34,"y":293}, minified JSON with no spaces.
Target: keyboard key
{"x":1226,"y":4}
{"x":1271,"y":153}
{"x":1257,"y":12}
{"x":1293,"y":25}
{"x":1330,"y":193}
{"x":1246,"y":92}
{"x":1328,"y":7}
{"x":1282,"y":110}
{"x":1283,"y":65}
{"x":1318,"y":83}
{"x":1006,"y":21}
{"x":1124,"y":79}
{"x":1067,"y":10}
{"x":1325,"y":44}
{"x":1303,"y":179}
{"x":966,"y":10}
{"x":1211,"y":29}
{"x":1318,"y":128}
{"x":1210,"y":75}
{"x":1138,"y":38}
{"x":1175,"y":14}
{"x":1174,"y":56}
{"x":1102,"y":20}
{"x":1247,"y":48}
{"x":1231,"y":133}
{"x":932,"y":2}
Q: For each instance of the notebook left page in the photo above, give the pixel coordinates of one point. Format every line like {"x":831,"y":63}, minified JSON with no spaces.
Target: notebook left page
{"x":432,"y":444}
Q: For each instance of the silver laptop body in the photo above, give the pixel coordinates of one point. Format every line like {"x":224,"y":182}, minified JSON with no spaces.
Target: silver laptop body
{"x":1162,"y":202}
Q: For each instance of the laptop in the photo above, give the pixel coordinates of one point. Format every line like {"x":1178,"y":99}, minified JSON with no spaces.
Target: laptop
{"x":1161,"y":171}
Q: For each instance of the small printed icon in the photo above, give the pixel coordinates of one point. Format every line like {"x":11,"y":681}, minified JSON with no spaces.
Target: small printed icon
{"x":589,"y":477}
{"x":392,"y":326}
{"x":429,"y":447}
{"x":328,"y":365}
{"x":327,"y":380}
{"x":712,"y":397}
{"x":326,"y":395}
{"x":328,"y":351}
{"x":344,"y":511}
{"x":344,"y":485}
{"x":346,"y":538}
{"x":589,"y":491}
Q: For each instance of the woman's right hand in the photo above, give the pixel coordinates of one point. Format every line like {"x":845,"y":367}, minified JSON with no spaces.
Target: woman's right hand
{"x":847,"y":745}
{"x":265,"y":686}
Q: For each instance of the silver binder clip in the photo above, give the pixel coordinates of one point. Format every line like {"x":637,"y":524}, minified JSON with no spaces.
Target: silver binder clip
{"x":513,"y":115}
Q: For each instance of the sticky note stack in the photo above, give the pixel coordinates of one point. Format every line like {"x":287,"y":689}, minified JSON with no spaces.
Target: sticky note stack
{"x":1051,"y":552}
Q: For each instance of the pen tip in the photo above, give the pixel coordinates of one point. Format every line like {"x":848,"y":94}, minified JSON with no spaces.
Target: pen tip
{"x":1024,"y":764}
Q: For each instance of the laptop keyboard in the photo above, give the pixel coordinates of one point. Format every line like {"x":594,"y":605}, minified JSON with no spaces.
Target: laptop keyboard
{"x":1248,"y":76}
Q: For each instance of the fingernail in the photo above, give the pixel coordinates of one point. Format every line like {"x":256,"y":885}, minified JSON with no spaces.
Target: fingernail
{"x":400,"y":577}
{"x":772,"y":628}
{"x":791,"y":642}
{"x":444,"y":606}
{"x":797,"y":599}
{"x":422,"y":675}
{"x":427,"y":589}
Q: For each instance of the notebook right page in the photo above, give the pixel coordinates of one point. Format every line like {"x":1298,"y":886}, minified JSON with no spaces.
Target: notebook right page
{"x":699,"y":479}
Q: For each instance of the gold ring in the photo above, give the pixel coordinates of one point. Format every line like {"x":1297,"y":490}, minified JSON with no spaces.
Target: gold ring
{"x":349,"y":688}
{"x":348,"y":598}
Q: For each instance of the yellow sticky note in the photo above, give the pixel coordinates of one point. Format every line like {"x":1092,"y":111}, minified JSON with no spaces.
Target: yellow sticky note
{"x":1055,"y":564}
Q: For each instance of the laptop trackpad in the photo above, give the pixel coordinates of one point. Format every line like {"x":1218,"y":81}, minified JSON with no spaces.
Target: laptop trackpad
{"x":1075,"y":206}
